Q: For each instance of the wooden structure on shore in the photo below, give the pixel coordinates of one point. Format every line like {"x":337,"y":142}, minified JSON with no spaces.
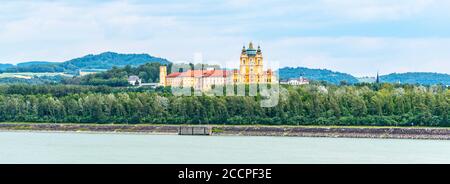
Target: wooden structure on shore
{"x":194,"y":130}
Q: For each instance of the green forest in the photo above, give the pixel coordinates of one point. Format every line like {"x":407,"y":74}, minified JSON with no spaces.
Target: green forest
{"x":118,"y":77}
{"x":317,"y":75}
{"x":105,"y":60}
{"x":314,"y":104}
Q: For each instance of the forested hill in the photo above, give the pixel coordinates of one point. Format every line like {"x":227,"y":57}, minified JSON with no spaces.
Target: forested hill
{"x":34,"y":63}
{"x":5,"y":66}
{"x":316,"y":74}
{"x":104,"y":60}
{"x":417,"y":78}
{"x":107,"y":60}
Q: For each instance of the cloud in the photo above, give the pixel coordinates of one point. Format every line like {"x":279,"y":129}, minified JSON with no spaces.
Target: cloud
{"x":347,"y":35}
{"x":365,"y":55}
{"x":376,"y":9}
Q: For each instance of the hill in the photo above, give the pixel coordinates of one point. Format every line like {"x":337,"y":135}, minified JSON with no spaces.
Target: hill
{"x":104,"y":60}
{"x":316,"y":74}
{"x":107,"y":60}
{"x":35,"y":66}
{"x":425,"y":78}
{"x":3,"y":67}
{"x":36,"y":63}
{"x":116,"y":76}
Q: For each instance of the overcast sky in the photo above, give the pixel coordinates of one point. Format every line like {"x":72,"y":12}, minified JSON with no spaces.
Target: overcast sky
{"x":359,"y":37}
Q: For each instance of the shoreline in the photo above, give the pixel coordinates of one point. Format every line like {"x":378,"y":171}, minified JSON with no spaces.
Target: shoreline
{"x":434,"y":133}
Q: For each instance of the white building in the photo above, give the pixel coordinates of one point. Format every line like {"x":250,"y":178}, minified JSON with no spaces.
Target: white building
{"x":295,"y":81}
{"x":134,"y":80}
{"x":83,"y":72}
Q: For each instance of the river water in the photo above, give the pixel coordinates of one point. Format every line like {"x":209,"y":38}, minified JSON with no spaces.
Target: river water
{"x":39,"y":147}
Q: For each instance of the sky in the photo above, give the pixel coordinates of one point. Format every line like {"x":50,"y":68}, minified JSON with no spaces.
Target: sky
{"x":359,"y":37}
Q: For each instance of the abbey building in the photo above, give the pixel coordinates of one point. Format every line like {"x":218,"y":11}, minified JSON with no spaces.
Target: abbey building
{"x":251,"y":71}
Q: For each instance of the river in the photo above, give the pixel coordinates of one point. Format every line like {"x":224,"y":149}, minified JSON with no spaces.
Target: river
{"x":55,"y":147}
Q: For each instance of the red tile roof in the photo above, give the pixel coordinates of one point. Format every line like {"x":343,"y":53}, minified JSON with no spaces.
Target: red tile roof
{"x":176,"y":74}
{"x":192,"y":73}
{"x":220,"y":73}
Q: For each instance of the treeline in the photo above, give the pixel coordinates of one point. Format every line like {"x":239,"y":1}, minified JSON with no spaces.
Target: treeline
{"x":58,"y":90}
{"x":38,"y":68}
{"x":117,"y":77}
{"x":33,"y":80}
{"x":382,"y":105}
{"x":424,"y":78}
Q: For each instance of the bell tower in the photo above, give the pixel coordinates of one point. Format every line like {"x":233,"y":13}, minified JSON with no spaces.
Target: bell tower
{"x":162,"y":75}
{"x":251,"y":64}
{"x":259,"y":65}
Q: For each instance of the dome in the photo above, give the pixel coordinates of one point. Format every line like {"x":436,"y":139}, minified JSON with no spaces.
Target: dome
{"x":251,"y":51}
{"x":250,"y":45}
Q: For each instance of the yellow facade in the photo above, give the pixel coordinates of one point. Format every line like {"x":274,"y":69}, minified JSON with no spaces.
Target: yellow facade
{"x":162,"y":75}
{"x":251,"y":66}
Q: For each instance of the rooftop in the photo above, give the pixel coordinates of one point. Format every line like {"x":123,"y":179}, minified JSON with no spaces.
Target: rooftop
{"x":201,"y":73}
{"x":133,"y":78}
{"x":251,"y":51}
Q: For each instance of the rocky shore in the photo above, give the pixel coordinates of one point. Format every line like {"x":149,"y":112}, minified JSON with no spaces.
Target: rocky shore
{"x":161,"y":129}
{"x":350,"y":132}
{"x":294,"y":131}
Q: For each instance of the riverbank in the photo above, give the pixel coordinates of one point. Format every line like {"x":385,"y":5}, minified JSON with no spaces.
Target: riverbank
{"x":222,"y":130}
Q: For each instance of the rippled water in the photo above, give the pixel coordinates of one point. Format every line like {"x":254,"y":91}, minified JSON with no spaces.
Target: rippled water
{"x":38,"y":147}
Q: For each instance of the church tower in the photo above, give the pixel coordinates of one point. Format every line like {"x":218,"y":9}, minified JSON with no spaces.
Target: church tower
{"x":251,"y":65}
{"x":162,"y":75}
{"x":378,"y":78}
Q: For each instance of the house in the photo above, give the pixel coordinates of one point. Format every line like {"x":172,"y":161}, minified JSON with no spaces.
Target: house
{"x":134,"y":80}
